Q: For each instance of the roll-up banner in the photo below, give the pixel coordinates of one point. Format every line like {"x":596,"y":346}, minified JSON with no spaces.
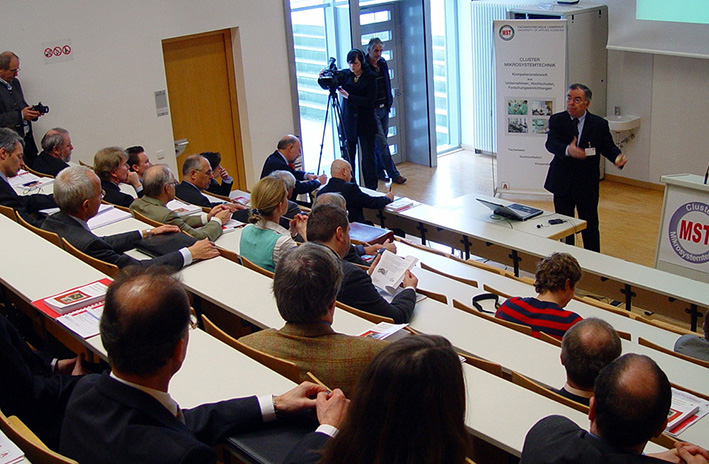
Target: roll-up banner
{"x":530,"y":58}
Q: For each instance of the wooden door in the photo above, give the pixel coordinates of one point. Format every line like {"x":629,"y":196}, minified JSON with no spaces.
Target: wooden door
{"x":201,"y":89}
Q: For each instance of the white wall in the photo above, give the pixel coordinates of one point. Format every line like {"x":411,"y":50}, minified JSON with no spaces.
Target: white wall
{"x":105,"y":95}
{"x":670,"y":94}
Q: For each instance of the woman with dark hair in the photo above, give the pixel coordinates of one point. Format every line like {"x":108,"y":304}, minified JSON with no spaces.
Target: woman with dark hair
{"x":408,"y":408}
{"x":358,"y":94}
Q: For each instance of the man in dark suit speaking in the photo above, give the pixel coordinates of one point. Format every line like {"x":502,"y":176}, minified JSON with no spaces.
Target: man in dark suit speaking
{"x":129,"y":416}
{"x":577,"y":138}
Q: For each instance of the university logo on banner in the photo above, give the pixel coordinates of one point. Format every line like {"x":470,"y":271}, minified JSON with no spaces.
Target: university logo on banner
{"x":688,"y":232}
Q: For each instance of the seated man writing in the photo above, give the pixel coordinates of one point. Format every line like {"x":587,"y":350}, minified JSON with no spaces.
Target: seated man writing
{"x":159,"y":187}
{"x":78,"y":193}
{"x":556,"y":279}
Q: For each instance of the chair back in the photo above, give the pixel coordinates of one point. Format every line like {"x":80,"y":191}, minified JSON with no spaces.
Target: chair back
{"x":37,"y":173}
{"x":35,"y":450}
{"x":433,"y":295}
{"x":623,"y":335}
{"x":122,"y":208}
{"x":487,"y":288}
{"x":254,"y":267}
{"x":664,"y":325}
{"x":531,"y":385}
{"x":665,"y":440}
{"x":229,"y":254}
{"x":549,"y":339}
{"x":109,"y":269}
{"x":8,"y":212}
{"x":605,"y":306}
{"x":662,"y":349}
{"x":425,"y":248}
{"x":45,"y":234}
{"x":470,"y":282}
{"x":287,"y":369}
{"x":146,"y":219}
{"x":525,"y":329}
{"x":376,"y":318}
{"x":488,"y":366}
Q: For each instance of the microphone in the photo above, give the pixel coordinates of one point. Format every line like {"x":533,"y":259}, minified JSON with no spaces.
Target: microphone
{"x":706,"y":176}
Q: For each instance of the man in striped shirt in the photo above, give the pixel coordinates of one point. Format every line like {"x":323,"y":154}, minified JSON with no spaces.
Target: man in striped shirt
{"x":556,"y":279}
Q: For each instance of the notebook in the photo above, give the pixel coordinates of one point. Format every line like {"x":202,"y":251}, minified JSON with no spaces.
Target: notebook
{"x":513,"y":211}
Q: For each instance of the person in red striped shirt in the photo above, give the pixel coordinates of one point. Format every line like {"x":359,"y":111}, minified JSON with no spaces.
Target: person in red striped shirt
{"x":556,"y":279}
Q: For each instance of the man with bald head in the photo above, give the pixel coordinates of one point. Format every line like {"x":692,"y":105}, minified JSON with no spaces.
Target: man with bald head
{"x":341,"y":182}
{"x":128,"y":416}
{"x":282,"y":159}
{"x":15,"y":113}
{"x":629,"y":407}
{"x":587,"y":347}
{"x":56,"y":152}
{"x":78,"y":193}
{"x":159,"y":187}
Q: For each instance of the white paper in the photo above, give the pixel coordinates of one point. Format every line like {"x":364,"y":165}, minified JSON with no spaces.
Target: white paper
{"x":107,"y":214}
{"x":84,"y":322}
{"x":389,"y":271}
{"x":384,"y":330}
{"x":683,"y":401}
{"x":75,"y":299}
{"x":183,"y":209}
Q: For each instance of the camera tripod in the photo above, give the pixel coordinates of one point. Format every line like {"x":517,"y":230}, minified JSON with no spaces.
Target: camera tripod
{"x":334,"y":102}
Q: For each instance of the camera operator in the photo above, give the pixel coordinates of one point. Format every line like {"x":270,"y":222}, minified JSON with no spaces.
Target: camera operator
{"x":15,"y":113}
{"x":359,"y":90}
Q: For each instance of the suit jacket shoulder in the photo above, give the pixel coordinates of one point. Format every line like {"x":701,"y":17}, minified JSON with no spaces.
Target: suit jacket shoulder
{"x":191,"y":194}
{"x":110,"y":248}
{"x":25,"y":204}
{"x":355,"y":198}
{"x":557,"y":439}
{"x":114,"y":194}
{"x":109,"y":422}
{"x":155,"y":210}
{"x":47,"y":164}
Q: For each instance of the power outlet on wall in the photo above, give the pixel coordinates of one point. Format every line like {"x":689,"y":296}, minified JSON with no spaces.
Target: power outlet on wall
{"x":160,"y":154}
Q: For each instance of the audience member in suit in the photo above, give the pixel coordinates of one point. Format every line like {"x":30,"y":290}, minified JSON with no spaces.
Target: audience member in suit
{"x":56,"y":152}
{"x":264,"y":241}
{"x":78,"y":194}
{"x":159,"y":184}
{"x":218,"y":172}
{"x":305,"y":285}
{"x":196,"y":176}
{"x":587,"y":347}
{"x":11,"y":152}
{"x":15,"y":113}
{"x":128,"y":415}
{"x":696,"y":347}
{"x":408,"y":407}
{"x":341,"y":182}
{"x":356,"y":252}
{"x":629,"y":407}
{"x":282,"y":159}
{"x":328,"y":226}
{"x":33,"y":388}
{"x":138,"y":160}
{"x":111,"y":166}
{"x":289,"y":181}
{"x":556,"y":279}
{"x":577,"y":138}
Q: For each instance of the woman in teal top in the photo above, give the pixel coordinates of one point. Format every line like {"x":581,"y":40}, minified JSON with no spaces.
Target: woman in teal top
{"x":264,"y":241}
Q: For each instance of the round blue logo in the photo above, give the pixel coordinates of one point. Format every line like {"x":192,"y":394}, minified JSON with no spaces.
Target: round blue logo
{"x":689,"y":232}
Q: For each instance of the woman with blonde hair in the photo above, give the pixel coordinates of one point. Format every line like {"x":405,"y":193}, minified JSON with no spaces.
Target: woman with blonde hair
{"x":264,"y":241}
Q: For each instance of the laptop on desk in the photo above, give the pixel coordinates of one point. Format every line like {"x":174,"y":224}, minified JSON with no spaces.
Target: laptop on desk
{"x":512,"y":211}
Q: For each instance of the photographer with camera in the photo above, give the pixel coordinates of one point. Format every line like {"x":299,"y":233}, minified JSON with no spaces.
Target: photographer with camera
{"x":15,"y":113}
{"x":358,"y":88}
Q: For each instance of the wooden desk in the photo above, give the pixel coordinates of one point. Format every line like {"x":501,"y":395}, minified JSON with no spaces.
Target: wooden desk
{"x":675,"y":296}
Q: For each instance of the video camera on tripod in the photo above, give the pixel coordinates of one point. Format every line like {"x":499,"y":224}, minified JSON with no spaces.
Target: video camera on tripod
{"x":331,"y":77}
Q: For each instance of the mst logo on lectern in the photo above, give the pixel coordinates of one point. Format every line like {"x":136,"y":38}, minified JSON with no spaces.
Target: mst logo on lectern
{"x":689,"y":232}
{"x":506,"y":32}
